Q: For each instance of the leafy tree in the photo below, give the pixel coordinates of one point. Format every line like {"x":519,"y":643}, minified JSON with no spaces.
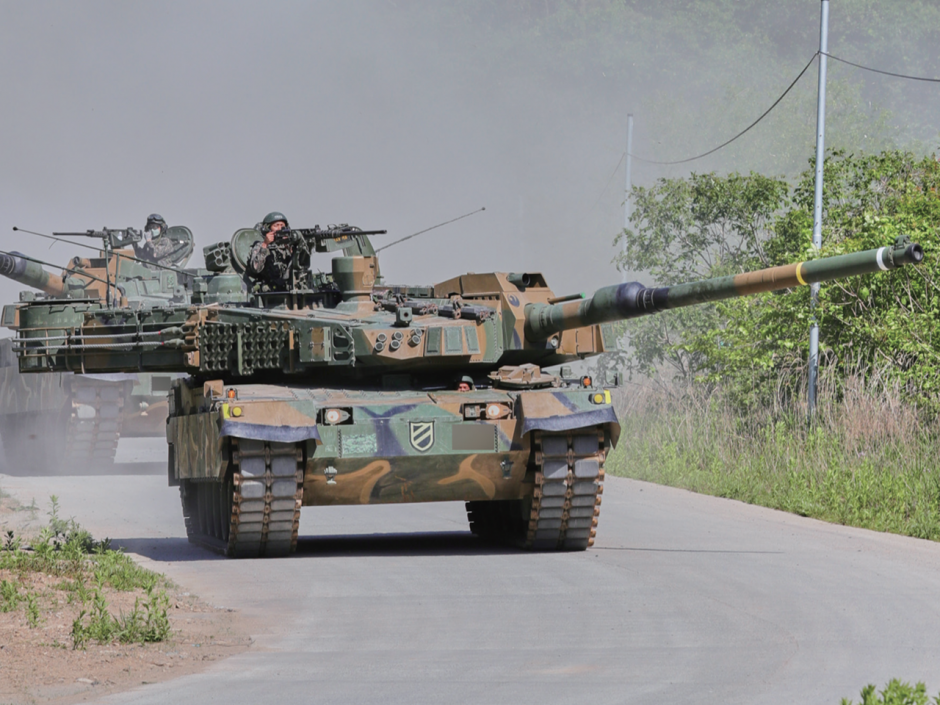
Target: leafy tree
{"x":886,"y":322}
{"x":695,"y":228}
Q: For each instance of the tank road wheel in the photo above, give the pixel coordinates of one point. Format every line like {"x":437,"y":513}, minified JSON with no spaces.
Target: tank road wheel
{"x":256,"y":510}
{"x":562,"y":512}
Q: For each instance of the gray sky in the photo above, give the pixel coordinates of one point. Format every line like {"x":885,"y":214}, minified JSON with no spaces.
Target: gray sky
{"x":381,"y":113}
{"x":214,"y":114}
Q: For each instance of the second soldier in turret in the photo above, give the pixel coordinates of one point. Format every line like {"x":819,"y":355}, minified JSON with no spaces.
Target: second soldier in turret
{"x":165,"y":247}
{"x":269,"y":259}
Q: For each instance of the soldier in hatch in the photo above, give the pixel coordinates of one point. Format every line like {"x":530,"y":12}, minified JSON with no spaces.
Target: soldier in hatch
{"x":269,"y":259}
{"x":161,"y":247}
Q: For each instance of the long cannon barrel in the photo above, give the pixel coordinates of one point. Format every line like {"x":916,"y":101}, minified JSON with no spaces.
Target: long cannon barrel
{"x":632,"y":300}
{"x":31,"y":274}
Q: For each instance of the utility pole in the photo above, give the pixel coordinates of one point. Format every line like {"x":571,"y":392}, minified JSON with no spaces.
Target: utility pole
{"x":817,"y":202}
{"x":627,"y":209}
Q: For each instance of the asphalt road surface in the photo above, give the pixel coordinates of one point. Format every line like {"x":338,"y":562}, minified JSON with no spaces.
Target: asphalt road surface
{"x":684,"y":599}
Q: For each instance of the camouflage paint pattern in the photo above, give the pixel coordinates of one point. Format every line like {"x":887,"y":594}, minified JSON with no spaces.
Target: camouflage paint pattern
{"x":340,"y":390}
{"x":624,"y":301}
{"x":385,"y":447}
{"x":471,"y":322}
{"x":141,"y":397}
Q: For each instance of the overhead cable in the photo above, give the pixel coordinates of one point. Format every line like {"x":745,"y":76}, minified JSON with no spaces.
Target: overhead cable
{"x":885,"y":73}
{"x":742,"y":132}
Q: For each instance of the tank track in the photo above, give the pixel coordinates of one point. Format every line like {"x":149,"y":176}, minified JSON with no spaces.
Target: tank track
{"x":562,"y":511}
{"x":255,"y":510}
{"x":78,"y":437}
{"x":94,"y":438}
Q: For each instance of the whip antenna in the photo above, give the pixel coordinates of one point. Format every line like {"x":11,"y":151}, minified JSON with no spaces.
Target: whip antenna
{"x":439,"y":225}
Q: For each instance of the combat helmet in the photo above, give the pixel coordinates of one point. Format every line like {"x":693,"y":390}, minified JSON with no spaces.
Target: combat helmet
{"x":155,"y":219}
{"x":271,"y":218}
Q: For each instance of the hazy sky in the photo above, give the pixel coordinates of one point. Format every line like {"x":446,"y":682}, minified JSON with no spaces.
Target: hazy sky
{"x":215,"y":113}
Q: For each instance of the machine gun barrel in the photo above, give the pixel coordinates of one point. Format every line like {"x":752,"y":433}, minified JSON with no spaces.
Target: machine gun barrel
{"x":111,"y":237}
{"x":632,"y":300}
{"x":326,"y":234}
{"x":18,"y":268}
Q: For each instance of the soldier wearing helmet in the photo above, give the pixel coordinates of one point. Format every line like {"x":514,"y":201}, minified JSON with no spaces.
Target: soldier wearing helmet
{"x":160,"y":247}
{"x":269,"y":259}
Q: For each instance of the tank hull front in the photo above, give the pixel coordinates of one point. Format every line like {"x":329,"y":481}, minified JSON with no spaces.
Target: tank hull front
{"x":260,"y":452}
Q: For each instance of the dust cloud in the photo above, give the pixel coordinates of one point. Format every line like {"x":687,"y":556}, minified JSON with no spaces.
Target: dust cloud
{"x":383,"y":114}
{"x":213,"y":114}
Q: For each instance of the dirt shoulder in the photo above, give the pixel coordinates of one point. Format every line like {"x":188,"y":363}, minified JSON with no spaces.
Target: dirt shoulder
{"x":39,"y":664}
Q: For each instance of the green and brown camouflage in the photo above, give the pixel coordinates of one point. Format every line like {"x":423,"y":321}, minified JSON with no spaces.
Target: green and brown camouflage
{"x":341,"y":390}
{"x":63,"y":421}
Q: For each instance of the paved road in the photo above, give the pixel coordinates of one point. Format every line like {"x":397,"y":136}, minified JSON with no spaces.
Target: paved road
{"x":684,"y":599}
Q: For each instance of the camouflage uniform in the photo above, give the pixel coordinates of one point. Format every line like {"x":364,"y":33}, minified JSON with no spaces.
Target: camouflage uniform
{"x":160,"y":250}
{"x":271,"y":264}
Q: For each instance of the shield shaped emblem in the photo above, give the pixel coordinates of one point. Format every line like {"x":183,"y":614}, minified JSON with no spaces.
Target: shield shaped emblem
{"x":421,"y":434}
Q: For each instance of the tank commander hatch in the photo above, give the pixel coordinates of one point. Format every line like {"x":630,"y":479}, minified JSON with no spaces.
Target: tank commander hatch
{"x":168,"y":249}
{"x":269,"y":258}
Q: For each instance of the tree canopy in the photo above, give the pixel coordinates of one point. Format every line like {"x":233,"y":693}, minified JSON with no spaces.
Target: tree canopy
{"x":708,"y":225}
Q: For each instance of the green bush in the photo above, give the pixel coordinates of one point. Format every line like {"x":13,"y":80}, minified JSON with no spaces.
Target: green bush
{"x":868,"y":461}
{"x":62,"y":548}
{"x":9,"y":596}
{"x":147,"y":622}
{"x":895,"y":693}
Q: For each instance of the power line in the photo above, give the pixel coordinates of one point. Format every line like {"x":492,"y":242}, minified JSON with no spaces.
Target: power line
{"x":742,"y":132}
{"x":884,"y":73}
{"x":607,"y":185}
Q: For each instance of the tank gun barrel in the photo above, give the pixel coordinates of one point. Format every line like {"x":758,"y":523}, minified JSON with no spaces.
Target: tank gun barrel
{"x":632,"y":300}
{"x":22,"y":270}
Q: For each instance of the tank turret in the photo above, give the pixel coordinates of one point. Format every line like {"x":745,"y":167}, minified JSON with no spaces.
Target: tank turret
{"x":63,"y":419}
{"x":336,"y":389}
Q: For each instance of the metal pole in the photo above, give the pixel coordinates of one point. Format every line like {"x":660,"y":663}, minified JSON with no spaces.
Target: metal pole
{"x":627,"y":210}
{"x":817,"y":201}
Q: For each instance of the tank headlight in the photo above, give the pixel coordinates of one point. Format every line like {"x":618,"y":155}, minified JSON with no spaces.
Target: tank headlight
{"x":236,"y":411}
{"x":331,"y":417}
{"x":601,"y":397}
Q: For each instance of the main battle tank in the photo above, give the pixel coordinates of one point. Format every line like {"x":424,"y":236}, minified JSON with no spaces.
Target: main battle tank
{"x":69,"y":421}
{"x":342,"y":390}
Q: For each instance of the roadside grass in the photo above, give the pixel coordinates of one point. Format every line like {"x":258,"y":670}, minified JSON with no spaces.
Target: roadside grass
{"x":64,"y":565}
{"x":895,"y":692}
{"x":870,"y":460}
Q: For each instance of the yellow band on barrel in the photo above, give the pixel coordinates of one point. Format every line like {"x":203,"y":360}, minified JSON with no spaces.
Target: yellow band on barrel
{"x":799,"y":276}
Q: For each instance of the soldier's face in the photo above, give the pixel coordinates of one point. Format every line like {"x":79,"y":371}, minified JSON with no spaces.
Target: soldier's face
{"x":272,"y":231}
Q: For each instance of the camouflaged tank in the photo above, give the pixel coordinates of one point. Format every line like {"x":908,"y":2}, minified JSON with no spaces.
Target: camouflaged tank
{"x":67,"y":421}
{"x":341,"y":390}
